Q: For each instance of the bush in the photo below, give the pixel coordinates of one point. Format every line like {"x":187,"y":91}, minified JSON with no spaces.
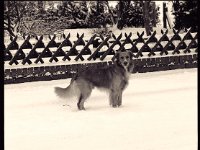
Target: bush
{"x":185,"y":14}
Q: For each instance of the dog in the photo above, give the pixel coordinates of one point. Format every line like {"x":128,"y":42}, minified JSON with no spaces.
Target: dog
{"x":113,"y":78}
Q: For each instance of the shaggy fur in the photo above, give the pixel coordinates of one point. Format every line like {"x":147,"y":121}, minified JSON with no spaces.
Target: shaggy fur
{"x":113,"y":78}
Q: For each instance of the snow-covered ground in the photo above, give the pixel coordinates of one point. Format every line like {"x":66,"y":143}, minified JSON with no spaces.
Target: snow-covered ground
{"x":159,"y":112}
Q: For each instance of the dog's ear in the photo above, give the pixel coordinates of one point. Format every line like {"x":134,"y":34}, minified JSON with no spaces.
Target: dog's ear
{"x":131,"y":54}
{"x":116,"y":57}
{"x":131,"y":66}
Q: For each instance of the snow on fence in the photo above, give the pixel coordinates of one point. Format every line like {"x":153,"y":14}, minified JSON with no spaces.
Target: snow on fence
{"x":58,"y":57}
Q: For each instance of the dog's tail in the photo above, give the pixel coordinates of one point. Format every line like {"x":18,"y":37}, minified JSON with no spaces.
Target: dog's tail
{"x":67,"y":92}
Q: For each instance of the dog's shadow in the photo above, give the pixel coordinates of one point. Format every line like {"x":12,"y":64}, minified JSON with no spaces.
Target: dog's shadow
{"x":102,"y":108}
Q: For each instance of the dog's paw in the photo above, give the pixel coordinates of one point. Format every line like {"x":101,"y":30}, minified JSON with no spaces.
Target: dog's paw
{"x":114,"y":106}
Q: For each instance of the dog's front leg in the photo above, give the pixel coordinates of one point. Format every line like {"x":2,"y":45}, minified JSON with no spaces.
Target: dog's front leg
{"x":120,"y":99}
{"x":114,"y":98}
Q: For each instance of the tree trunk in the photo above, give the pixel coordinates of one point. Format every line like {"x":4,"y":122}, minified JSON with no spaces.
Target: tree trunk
{"x":120,"y":21}
{"x":110,"y":11}
{"x":147,"y":23}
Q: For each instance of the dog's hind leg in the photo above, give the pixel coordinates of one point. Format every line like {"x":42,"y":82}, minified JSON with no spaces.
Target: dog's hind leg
{"x":82,"y":99}
{"x":85,"y":91}
{"x":80,"y":103}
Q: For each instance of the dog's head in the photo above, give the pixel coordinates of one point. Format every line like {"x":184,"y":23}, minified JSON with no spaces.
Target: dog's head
{"x":124,"y":59}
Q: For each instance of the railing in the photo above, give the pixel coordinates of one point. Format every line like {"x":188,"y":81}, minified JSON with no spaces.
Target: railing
{"x":54,"y":58}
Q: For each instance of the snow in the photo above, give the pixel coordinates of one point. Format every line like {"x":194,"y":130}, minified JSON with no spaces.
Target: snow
{"x":159,"y":112}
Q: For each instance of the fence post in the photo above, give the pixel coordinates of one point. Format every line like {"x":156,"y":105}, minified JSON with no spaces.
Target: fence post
{"x":164,"y":16}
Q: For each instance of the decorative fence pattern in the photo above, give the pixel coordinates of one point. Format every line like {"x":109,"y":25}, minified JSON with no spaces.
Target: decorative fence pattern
{"x":154,"y":53}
